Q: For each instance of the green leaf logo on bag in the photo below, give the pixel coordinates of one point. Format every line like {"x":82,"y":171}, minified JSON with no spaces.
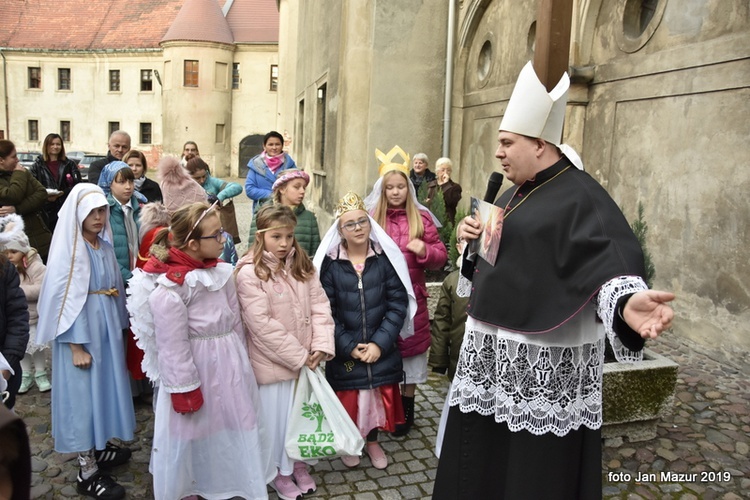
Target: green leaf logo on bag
{"x":314,"y":412}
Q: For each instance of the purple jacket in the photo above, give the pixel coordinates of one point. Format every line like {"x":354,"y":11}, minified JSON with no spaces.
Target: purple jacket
{"x":397,"y":227}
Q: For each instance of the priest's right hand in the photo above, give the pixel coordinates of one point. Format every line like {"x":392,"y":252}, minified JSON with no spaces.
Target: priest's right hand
{"x":468,"y":229}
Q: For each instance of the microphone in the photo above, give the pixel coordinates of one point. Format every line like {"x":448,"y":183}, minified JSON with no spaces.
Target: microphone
{"x":493,"y":186}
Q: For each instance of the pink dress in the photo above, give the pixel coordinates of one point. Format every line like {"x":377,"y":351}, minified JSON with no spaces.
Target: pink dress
{"x":218,"y":451}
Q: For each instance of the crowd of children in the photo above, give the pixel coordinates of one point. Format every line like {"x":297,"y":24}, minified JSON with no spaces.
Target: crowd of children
{"x":224,"y":346}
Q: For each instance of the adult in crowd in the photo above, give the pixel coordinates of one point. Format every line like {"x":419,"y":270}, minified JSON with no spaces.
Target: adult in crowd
{"x":21,"y":193}
{"x":136,"y":160}
{"x":189,"y":151}
{"x":265,"y":168}
{"x":451,"y":190}
{"x":118,"y":145}
{"x":217,"y":189}
{"x":525,"y":406}
{"x":55,"y":171}
{"x":420,"y":173}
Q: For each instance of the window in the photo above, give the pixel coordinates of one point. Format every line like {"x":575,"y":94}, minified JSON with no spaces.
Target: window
{"x":300,"y":126}
{"x":274,"y":77}
{"x":65,"y":131}
{"x":63,"y":78}
{"x":236,"y":76}
{"x":112,"y":127}
{"x":191,"y":74}
{"x":320,"y":129}
{"x":114,"y":80}
{"x":221,"y":75}
{"x":33,"y":130}
{"x":219,"y":133}
{"x":35,"y":78}
{"x":145,"y":133}
{"x":147,"y":82}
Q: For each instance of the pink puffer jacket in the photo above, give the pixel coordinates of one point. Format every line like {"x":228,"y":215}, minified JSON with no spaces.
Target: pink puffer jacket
{"x":286,"y":320}
{"x":397,"y":227}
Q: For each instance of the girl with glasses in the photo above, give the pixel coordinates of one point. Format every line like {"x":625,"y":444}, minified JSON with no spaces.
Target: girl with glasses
{"x":289,"y":324}
{"x":367,"y":282}
{"x":184,"y":312}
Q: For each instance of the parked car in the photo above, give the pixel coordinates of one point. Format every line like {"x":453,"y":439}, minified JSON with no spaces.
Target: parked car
{"x":27,"y":158}
{"x":85,"y":163}
{"x":76,"y":156}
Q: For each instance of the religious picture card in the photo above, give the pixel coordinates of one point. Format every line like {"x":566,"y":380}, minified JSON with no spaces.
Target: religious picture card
{"x":491,"y":219}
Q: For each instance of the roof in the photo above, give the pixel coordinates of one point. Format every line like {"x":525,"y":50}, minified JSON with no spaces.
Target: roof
{"x":200,"y":20}
{"x":85,"y":24}
{"x":253,"y":21}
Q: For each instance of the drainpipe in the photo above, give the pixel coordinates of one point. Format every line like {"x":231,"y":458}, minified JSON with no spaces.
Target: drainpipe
{"x":5,"y":94}
{"x":449,"y":78}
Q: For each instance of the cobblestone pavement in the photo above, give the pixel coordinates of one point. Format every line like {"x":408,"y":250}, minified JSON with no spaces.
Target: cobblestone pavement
{"x":706,"y":439}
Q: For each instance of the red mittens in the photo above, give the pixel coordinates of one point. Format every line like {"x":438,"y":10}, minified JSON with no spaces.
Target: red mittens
{"x":187,"y":402}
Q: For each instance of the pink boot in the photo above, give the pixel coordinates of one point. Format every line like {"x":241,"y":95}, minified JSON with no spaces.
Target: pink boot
{"x":304,"y":480}
{"x":285,"y":488}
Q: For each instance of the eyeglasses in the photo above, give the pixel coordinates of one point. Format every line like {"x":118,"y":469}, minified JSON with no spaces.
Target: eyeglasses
{"x":219,"y":236}
{"x":351,"y":226}
{"x":205,"y":212}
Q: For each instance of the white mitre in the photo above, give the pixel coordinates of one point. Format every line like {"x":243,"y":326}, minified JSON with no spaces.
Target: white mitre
{"x":534,"y":112}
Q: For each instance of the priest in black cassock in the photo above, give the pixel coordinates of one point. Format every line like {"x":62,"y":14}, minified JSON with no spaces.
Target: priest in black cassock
{"x":524,"y":412}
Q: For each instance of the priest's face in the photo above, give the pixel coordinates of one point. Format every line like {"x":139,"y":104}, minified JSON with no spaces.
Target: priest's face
{"x":519,"y":156}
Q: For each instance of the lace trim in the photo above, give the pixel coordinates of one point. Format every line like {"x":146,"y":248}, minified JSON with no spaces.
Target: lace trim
{"x":139,"y":289}
{"x":540,"y":389}
{"x":463,"y":288}
{"x":607,"y":299}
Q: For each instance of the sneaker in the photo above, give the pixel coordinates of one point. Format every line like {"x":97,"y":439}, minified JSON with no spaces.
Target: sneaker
{"x":26,"y":383}
{"x":112,"y":456}
{"x":304,"y":480}
{"x":285,"y":488}
{"x":350,"y":460}
{"x":100,"y":486}
{"x":377,"y":455}
{"x":42,"y":382}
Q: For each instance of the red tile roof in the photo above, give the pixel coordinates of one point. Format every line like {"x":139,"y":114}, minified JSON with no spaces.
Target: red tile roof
{"x":86,"y":24}
{"x":200,"y":20}
{"x":254,"y":21}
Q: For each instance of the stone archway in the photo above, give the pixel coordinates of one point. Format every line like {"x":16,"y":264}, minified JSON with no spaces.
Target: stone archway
{"x":250,"y":146}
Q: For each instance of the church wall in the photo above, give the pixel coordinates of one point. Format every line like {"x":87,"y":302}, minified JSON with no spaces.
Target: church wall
{"x":89,"y":105}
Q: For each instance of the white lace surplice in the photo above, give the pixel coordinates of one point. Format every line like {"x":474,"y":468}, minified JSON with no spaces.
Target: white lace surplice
{"x":541,"y":383}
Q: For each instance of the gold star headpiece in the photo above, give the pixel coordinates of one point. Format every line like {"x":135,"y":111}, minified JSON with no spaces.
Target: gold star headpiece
{"x":387,"y":164}
{"x":350,"y":201}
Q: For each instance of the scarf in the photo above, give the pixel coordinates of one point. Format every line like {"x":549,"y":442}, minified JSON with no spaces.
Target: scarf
{"x":139,"y":182}
{"x":178,"y":264}
{"x":273,"y":162}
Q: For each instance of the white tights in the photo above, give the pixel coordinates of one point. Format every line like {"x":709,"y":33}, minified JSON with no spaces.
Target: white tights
{"x":38,"y":359}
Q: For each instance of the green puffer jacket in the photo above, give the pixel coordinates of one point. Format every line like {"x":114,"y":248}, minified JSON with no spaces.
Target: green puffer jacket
{"x":448,"y":326}
{"x":21,"y":190}
{"x":306,"y":233}
{"x":120,"y":235}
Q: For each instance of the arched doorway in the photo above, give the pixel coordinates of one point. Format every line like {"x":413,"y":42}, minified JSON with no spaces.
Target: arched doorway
{"x":250,"y":146}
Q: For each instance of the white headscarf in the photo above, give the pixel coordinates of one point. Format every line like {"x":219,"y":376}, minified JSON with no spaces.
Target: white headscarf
{"x":371,"y":201}
{"x":66,"y":282}
{"x":331,"y":241}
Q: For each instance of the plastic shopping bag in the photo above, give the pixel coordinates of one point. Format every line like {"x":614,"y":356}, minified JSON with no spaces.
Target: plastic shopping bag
{"x":320,"y":427}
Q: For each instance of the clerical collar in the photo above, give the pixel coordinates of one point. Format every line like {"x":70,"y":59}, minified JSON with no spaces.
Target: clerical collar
{"x":550,"y":171}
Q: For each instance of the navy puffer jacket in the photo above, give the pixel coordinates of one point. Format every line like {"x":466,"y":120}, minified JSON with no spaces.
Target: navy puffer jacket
{"x":372,"y":312}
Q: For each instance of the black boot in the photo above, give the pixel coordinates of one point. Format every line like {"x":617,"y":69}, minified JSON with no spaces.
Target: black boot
{"x":403,"y":429}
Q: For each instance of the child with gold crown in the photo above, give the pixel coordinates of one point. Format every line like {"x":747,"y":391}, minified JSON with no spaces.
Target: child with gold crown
{"x":367,"y":282}
{"x":393,"y":204}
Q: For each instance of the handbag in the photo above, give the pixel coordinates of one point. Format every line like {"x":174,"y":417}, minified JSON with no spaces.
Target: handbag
{"x":319,"y":427}
{"x":229,"y":218}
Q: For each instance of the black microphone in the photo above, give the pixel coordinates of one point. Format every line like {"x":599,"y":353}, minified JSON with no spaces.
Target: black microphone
{"x":493,"y":186}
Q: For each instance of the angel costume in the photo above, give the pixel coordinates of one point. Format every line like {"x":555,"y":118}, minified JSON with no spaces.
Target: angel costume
{"x":185,"y":316}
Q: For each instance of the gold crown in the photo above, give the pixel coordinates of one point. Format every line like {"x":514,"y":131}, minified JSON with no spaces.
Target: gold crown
{"x":387,"y":164}
{"x":350,"y":201}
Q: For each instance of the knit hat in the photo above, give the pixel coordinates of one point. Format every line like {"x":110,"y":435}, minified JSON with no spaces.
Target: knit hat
{"x":107,"y":177}
{"x":177,"y":187}
{"x":12,"y":236}
{"x":290,"y":174}
{"x":152,"y":215}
